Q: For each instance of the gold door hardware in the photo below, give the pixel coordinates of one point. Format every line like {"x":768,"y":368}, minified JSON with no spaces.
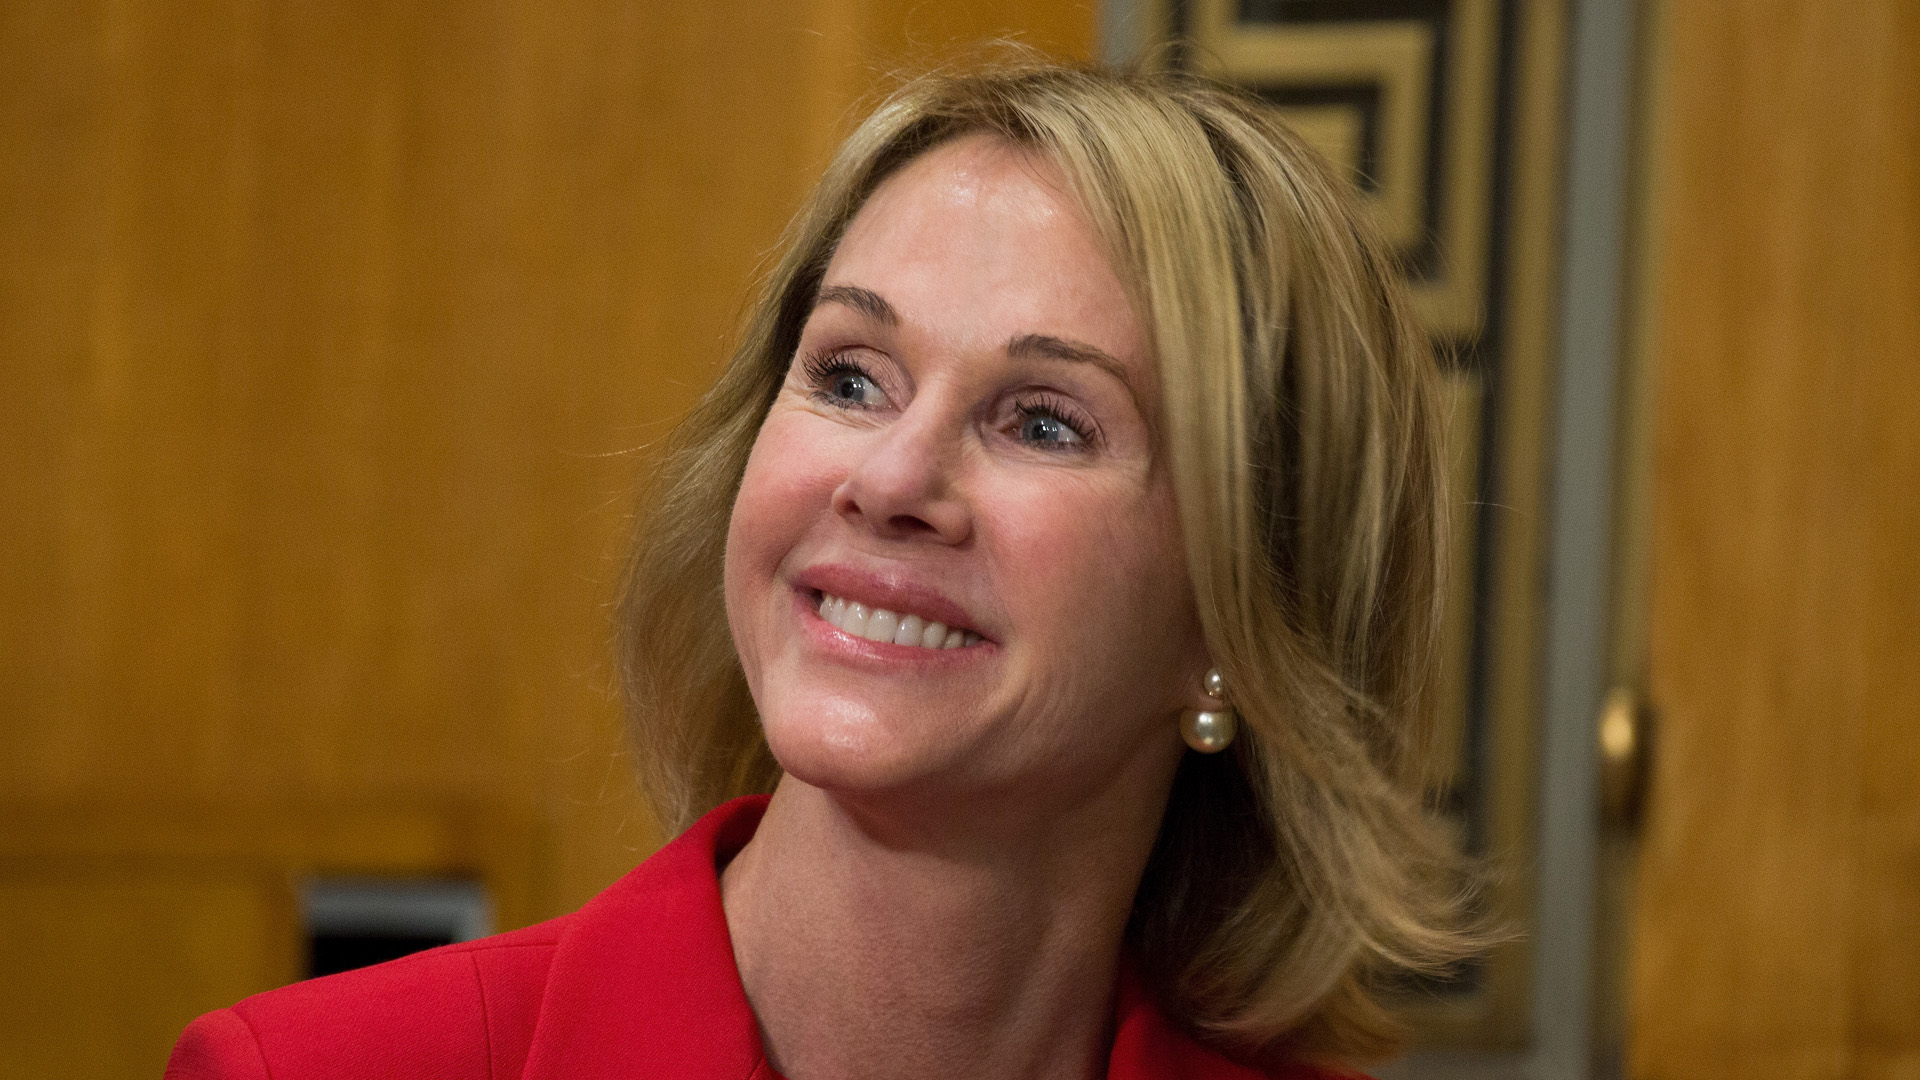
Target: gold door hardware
{"x":1625,"y":731}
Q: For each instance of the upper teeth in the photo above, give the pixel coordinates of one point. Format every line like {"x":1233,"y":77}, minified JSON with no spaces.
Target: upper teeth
{"x":879,"y":624}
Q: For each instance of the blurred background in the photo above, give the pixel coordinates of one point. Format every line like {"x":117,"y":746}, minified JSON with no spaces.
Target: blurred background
{"x":336,"y":338}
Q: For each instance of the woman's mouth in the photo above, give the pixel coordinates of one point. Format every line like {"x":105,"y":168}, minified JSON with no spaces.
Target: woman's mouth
{"x":898,"y":628}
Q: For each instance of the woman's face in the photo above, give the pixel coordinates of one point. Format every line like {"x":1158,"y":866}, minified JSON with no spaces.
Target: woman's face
{"x":965,"y":437}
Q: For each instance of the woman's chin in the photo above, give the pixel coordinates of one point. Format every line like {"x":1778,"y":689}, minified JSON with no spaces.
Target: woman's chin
{"x":847,"y":757}
{"x":830,"y":738}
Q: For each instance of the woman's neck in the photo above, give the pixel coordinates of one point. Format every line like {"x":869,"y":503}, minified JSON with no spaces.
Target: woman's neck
{"x":880,"y":944}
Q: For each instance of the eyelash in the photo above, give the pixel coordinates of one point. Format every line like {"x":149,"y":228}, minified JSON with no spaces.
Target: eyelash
{"x":821,"y":368}
{"x":1055,"y":408}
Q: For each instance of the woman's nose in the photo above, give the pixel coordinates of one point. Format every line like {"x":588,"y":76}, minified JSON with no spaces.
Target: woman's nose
{"x":902,"y":487}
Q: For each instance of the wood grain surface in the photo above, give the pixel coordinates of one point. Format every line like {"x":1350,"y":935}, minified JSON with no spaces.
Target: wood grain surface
{"x":1779,"y":889}
{"x":333,"y":340}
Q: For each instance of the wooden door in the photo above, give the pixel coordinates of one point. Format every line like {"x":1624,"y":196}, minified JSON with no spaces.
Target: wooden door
{"x":332,"y":338}
{"x":1778,"y":903}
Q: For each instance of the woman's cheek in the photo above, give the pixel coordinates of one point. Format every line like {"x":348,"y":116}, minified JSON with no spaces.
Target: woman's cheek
{"x":788,"y":483}
{"x":771,"y":513}
{"x":1107,"y":565}
{"x":1058,"y":547}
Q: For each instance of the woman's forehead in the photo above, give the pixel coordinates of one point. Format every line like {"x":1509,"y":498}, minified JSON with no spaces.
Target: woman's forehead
{"x":983,"y":171}
{"x":984,"y":233}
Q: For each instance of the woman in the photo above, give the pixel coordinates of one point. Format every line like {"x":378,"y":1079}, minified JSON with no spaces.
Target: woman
{"x":1061,"y":550}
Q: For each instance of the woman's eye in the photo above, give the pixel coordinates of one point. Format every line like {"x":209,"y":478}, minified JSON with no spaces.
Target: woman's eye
{"x":1044,"y":427}
{"x":839,"y":381}
{"x":853,"y":388}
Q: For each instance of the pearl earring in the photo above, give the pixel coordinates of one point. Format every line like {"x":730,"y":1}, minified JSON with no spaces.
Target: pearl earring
{"x":1209,"y":730}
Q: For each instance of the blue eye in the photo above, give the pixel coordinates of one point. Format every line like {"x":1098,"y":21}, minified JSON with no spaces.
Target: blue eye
{"x":1042,"y":428}
{"x":1046,"y":424}
{"x":853,"y":388}
{"x":839,"y":381}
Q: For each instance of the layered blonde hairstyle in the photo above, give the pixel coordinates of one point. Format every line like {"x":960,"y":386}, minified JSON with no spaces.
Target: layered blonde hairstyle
{"x":1296,"y":870}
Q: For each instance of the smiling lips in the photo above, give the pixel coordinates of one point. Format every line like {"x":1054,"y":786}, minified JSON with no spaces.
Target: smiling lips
{"x":879,"y":624}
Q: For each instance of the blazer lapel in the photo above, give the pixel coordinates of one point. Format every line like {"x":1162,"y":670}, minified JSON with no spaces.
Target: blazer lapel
{"x":643,"y":982}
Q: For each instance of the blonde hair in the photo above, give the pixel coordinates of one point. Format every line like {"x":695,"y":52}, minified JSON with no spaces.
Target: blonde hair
{"x":1302,"y":428}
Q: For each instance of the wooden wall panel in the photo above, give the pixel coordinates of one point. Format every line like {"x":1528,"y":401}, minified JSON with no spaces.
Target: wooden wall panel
{"x":1779,"y":892}
{"x":333,"y":339}
{"x":862,"y":44}
{"x":116,"y":935}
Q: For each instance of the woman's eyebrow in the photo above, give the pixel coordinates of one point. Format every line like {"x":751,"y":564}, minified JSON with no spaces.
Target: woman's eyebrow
{"x":865,"y":301}
{"x":1048,"y":347}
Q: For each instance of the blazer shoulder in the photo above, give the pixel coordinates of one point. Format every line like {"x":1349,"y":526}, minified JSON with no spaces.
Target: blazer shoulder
{"x":463,"y":1010}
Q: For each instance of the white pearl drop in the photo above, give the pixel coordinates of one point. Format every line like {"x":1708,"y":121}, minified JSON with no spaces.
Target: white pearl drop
{"x":1208,"y":731}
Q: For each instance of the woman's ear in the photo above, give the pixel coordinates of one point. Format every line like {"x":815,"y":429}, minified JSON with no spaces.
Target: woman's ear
{"x":1211,"y":689}
{"x":1196,"y":663}
{"x":1202,"y":686}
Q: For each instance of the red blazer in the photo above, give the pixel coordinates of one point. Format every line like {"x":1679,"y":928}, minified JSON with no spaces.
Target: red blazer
{"x":638,"y":984}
